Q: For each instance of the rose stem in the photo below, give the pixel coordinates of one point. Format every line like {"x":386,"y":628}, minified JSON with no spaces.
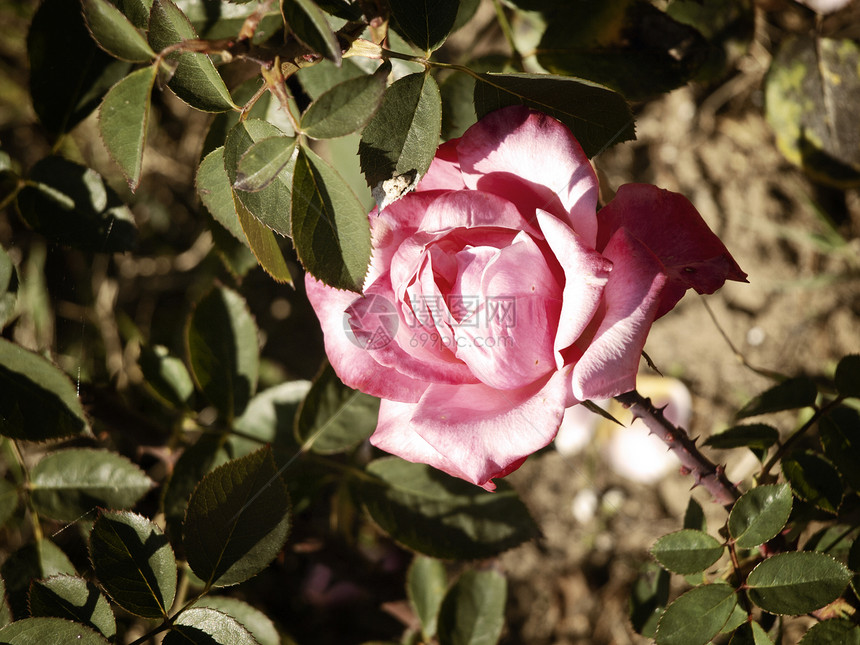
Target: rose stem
{"x":706,"y":473}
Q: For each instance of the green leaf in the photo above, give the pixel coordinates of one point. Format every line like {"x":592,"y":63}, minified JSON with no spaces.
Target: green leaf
{"x":38,"y":631}
{"x":425,"y":23}
{"x":759,"y":515}
{"x":797,"y":583}
{"x":271,"y":205}
{"x":73,"y":205}
{"x":695,"y":617}
{"x":310,"y":26}
{"x":255,"y":621}
{"x":166,"y":375}
{"x":72,"y":482}
{"x":214,"y":20}
{"x":837,"y":631}
{"x":441,"y":516}
{"x":597,"y":116}
{"x":195,"y":80}
{"x":213,"y":188}
{"x":123,"y":118}
{"x":847,"y":377}
{"x":330,"y":228}
{"x":73,"y":598}
{"x":134,"y":563}
{"x":791,"y":394}
{"x":426,"y":583}
{"x":333,"y":417}
{"x":840,"y":439}
{"x":203,"y":626}
{"x":263,"y":243}
{"x":318,"y":79}
{"x":137,"y":11}
{"x":814,"y":479}
{"x":632,"y":47}
{"x":8,"y":500}
{"x":346,"y":107}
{"x":68,"y":72}
{"x":687,"y":551}
{"x":201,"y":458}
{"x":247,"y":493}
{"x":261,"y":164}
{"x":473,"y":611}
{"x":223,"y":350}
{"x":39,"y":401}
{"x":853,"y":562}
{"x":115,"y":33}
{"x":270,"y":418}
{"x":758,"y":437}
{"x":750,"y":633}
{"x":648,"y":599}
{"x":400,"y":141}
{"x":694,"y":516}
{"x":810,"y":90}
{"x":38,"y":559}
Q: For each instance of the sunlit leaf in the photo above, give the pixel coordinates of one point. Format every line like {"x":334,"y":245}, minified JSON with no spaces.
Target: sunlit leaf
{"x":270,"y":418}
{"x":797,"y":583}
{"x":346,"y":107}
{"x":246,"y":493}
{"x":687,"y":551}
{"x":223,"y":350}
{"x":263,"y":243}
{"x":473,"y":611}
{"x":441,"y":516}
{"x":791,"y":394}
{"x":697,"y":616}
{"x":310,"y":26}
{"x":330,"y":228}
{"x":73,"y":205}
{"x":72,"y":598}
{"x":213,"y":188}
{"x":123,"y":118}
{"x":114,"y":33}
{"x":255,"y":621}
{"x":166,"y":375}
{"x":333,"y":417}
{"x":261,"y":164}
{"x":597,"y":116}
{"x":270,"y":204}
{"x":426,"y":583}
{"x":41,"y":630}
{"x":203,"y":626}
{"x":424,"y":23}
{"x":69,"y":73}
{"x":400,"y":141}
{"x":72,"y":482}
{"x":39,"y":401}
{"x":195,"y":79}
{"x":811,"y":91}
{"x":759,"y":515}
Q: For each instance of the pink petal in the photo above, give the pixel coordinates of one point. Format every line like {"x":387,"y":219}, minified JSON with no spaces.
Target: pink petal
{"x":473,"y":431}
{"x":508,"y":343}
{"x":671,"y":227}
{"x":610,"y":360}
{"x":533,"y":161}
{"x":585,"y":272}
{"x":353,"y":364}
{"x":471,"y":209}
{"x":444,"y":172}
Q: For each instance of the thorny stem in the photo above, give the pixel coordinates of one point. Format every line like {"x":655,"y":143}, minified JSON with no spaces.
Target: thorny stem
{"x":797,"y":435}
{"x":706,"y":473}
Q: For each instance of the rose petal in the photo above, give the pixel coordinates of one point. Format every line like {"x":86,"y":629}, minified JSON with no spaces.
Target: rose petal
{"x":610,"y":360}
{"x":586,"y":273}
{"x":354,"y":365}
{"x":472,"y":209}
{"x":533,"y":161}
{"x":473,"y":431}
{"x":669,"y":225}
{"x":444,"y":171}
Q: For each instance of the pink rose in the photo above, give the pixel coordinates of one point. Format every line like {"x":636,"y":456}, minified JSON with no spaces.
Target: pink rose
{"x":497,"y":296}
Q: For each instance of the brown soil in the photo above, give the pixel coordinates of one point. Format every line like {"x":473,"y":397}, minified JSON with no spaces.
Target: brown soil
{"x":799,"y":313}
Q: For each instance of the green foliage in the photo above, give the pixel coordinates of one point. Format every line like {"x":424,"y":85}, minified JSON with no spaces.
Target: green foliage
{"x":140,"y":439}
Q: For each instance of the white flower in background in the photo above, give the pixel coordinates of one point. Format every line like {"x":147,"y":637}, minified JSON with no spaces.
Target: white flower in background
{"x":630,"y":451}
